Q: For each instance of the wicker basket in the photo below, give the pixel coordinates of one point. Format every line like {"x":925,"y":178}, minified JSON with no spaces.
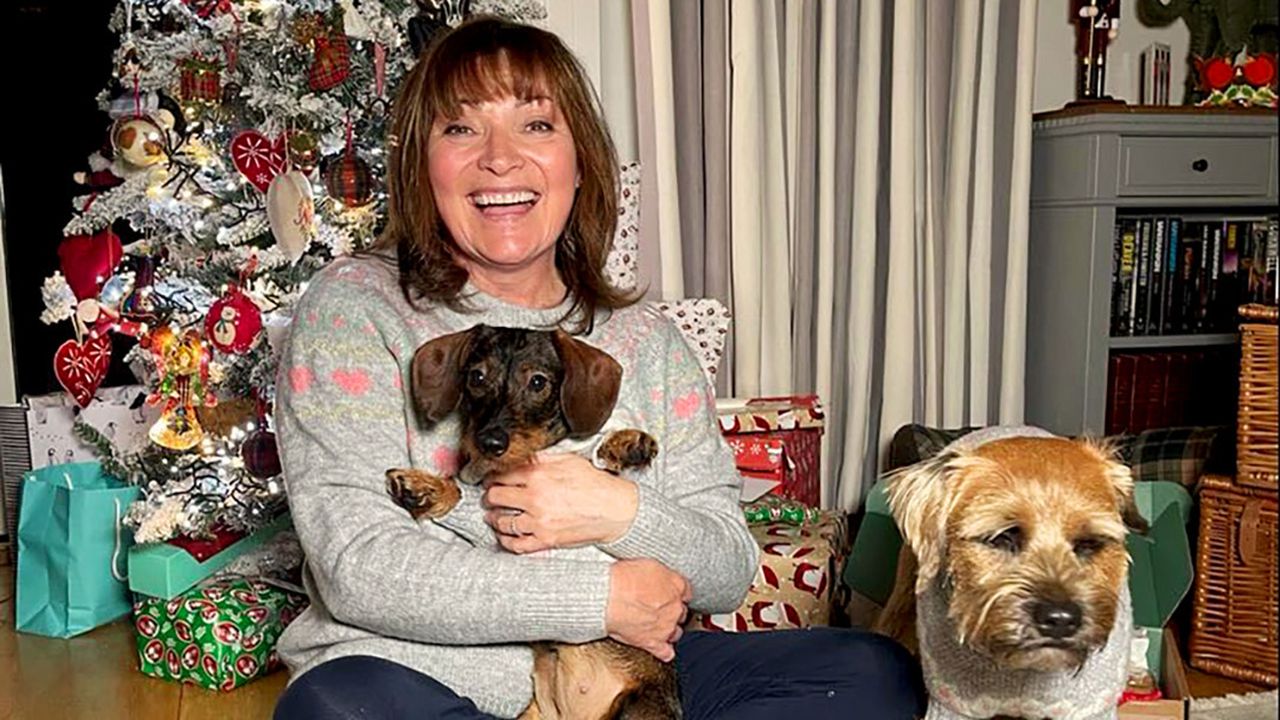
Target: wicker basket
{"x":1234,"y":624}
{"x":1259,"y":412}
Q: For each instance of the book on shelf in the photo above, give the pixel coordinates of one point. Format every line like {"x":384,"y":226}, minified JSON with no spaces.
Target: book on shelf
{"x":1170,"y":388}
{"x":1176,"y":275}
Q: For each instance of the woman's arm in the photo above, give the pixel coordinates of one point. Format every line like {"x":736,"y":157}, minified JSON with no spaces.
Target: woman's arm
{"x":690,"y":518}
{"x":342,"y":422}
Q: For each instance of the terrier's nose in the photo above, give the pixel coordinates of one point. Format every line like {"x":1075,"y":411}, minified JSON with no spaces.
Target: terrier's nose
{"x":1056,"y":619}
{"x":493,"y":441}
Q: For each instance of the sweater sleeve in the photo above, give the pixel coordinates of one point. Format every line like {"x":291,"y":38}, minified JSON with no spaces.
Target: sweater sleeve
{"x":689,"y":518}
{"x":342,"y":422}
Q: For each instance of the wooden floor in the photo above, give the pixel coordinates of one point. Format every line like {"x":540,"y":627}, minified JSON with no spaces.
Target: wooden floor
{"x":95,"y":677}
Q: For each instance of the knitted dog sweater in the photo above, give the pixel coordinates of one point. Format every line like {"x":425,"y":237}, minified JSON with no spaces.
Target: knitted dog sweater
{"x":964,"y":684}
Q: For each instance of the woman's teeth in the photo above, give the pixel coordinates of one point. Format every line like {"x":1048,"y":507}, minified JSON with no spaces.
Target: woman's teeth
{"x":506,"y":198}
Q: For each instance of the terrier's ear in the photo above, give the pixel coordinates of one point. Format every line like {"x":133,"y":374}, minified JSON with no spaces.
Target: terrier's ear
{"x":592,"y":379}
{"x":436,"y":377}
{"x":917,"y":497}
{"x":1106,"y":451}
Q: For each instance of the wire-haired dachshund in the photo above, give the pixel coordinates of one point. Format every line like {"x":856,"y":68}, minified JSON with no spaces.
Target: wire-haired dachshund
{"x":517,"y":392}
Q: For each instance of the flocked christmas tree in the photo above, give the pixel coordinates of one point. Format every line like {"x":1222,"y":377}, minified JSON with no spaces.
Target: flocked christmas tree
{"x":244,"y":152}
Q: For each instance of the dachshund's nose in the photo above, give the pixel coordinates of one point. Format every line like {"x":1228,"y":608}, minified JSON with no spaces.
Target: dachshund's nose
{"x":493,"y":441}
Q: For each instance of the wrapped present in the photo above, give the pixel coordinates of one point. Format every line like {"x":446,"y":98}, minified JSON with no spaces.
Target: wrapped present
{"x":778,"y":439}
{"x":166,"y":569}
{"x":37,"y":433}
{"x":219,"y":636}
{"x":794,"y":584}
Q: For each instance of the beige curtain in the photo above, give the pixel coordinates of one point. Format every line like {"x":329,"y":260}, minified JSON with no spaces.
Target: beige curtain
{"x":876,"y":158}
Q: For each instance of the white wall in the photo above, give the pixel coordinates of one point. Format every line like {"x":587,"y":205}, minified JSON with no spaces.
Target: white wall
{"x":8,"y":381}
{"x":1055,"y":79}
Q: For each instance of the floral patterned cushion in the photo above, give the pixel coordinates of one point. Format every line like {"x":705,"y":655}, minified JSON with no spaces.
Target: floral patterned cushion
{"x":703,"y":322}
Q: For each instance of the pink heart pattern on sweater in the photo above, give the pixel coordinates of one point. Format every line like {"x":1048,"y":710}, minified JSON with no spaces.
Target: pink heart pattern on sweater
{"x":300,"y":377}
{"x":352,"y":382}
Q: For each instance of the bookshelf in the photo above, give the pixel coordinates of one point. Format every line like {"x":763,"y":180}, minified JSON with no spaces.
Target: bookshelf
{"x":1093,"y":168}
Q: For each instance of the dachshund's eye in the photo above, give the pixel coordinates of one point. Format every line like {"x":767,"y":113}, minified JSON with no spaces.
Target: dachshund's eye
{"x":1087,"y":547}
{"x":1009,"y":540}
{"x":475,"y":377}
{"x":538,"y":382}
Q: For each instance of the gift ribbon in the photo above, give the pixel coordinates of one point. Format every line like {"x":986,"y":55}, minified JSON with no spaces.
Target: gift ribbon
{"x":379,"y":68}
{"x":115,"y":553}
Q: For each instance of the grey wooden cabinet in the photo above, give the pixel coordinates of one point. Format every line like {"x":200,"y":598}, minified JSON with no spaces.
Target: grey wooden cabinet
{"x":1089,"y":166}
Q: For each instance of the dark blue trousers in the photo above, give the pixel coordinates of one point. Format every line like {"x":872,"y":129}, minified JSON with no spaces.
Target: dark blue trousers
{"x":818,"y":674}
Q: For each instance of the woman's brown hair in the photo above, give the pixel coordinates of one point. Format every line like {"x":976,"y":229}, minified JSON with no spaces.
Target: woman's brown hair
{"x":487,"y":58}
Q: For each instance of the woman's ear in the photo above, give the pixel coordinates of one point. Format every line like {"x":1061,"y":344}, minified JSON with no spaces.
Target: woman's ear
{"x":436,"y":375}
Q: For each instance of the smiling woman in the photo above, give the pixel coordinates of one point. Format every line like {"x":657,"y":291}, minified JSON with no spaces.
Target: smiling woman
{"x":501,"y":124}
{"x":503,"y":202}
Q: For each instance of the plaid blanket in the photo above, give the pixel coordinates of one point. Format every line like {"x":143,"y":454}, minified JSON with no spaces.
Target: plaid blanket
{"x":1180,"y":455}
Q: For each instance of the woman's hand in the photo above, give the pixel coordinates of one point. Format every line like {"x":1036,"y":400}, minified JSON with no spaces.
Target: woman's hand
{"x":559,"y":500}
{"x":647,"y":606}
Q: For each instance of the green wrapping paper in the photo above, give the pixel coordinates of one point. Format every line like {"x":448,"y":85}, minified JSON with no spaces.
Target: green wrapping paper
{"x":218,"y":636}
{"x":772,"y":509}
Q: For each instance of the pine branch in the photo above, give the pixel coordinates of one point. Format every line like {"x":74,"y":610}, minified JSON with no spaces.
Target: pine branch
{"x":103,"y":448}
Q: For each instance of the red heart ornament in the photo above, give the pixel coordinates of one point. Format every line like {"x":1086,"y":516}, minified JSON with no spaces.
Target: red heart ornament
{"x":88,"y":260}
{"x":258,"y":159}
{"x":81,"y":367}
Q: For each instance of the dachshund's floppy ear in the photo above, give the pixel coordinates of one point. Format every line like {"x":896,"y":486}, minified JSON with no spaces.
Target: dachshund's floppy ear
{"x":917,"y":497}
{"x":592,"y":379}
{"x":436,"y":377}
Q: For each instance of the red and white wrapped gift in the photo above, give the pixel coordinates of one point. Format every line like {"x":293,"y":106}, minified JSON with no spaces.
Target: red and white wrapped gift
{"x":778,"y":439}
{"x":794,"y":585}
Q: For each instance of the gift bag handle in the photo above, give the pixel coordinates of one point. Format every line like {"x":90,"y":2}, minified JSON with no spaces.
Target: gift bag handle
{"x":115,"y":553}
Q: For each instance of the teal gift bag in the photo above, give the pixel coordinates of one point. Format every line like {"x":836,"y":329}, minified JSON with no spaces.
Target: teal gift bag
{"x":72,"y":549}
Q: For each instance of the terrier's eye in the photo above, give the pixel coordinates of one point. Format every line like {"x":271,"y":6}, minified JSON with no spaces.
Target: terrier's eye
{"x":1009,"y":540}
{"x":475,"y":376}
{"x":1087,"y":547}
{"x":538,"y":382}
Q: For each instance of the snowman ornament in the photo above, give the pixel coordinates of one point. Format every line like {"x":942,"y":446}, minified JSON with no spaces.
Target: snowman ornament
{"x":234,"y":322}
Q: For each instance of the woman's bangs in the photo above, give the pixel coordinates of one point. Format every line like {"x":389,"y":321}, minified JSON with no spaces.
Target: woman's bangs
{"x":474,"y":77}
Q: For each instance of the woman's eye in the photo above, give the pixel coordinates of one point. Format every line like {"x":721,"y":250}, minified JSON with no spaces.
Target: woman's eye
{"x":455,"y":129}
{"x":540,"y":126}
{"x":475,"y":376}
{"x":538,"y":383}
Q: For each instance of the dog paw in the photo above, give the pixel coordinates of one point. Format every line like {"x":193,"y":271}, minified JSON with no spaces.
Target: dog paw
{"x":423,"y":494}
{"x":628,"y":449}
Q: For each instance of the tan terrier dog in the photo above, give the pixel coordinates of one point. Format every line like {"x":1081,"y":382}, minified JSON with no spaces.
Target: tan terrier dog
{"x":1013,"y":579}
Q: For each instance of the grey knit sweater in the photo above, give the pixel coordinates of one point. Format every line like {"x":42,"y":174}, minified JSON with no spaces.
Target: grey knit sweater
{"x":443,"y":598}
{"x":964,"y":684}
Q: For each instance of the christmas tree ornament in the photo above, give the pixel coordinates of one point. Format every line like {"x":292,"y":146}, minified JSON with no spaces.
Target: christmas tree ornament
{"x":234,"y":322}
{"x":260,"y":454}
{"x":137,"y":304}
{"x":348,"y":178}
{"x":304,"y":151}
{"x":258,"y":451}
{"x":332,"y":62}
{"x":291,"y":213}
{"x":258,"y":159}
{"x":139,"y":141}
{"x":182,"y":365}
{"x":200,"y":80}
{"x":88,"y":260}
{"x":80,"y":367}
